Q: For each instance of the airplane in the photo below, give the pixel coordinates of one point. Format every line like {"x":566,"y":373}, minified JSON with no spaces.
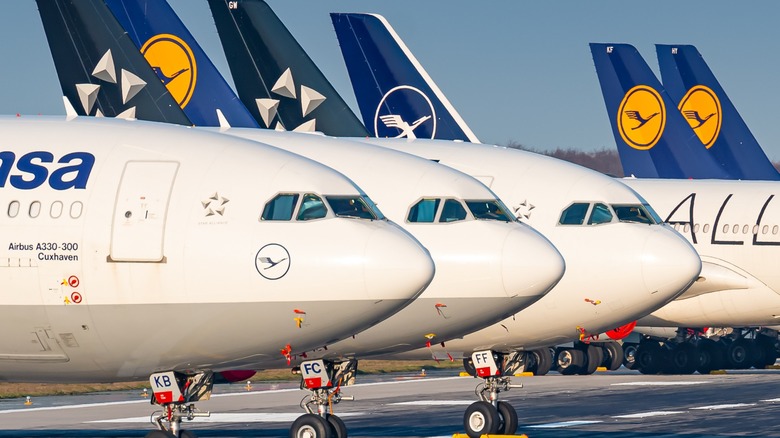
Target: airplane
{"x":715,"y":281}
{"x":732,"y":226}
{"x":711,"y":114}
{"x":540,"y":189}
{"x":488,"y":266}
{"x":147,"y":250}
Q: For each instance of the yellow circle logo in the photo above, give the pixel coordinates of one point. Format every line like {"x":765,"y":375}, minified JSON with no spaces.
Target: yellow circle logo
{"x":701,"y":108}
{"x":173,"y":61}
{"x":641,"y":117}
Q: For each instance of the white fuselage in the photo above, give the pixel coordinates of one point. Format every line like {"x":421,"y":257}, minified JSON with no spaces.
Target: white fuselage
{"x":132,"y":247}
{"x":615,"y":272}
{"x":486,"y":270}
{"x":735,"y":227}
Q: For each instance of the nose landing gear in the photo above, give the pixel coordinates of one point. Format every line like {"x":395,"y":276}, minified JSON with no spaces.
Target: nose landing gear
{"x":177,"y":393}
{"x":324,"y":380}
{"x":489,"y":415}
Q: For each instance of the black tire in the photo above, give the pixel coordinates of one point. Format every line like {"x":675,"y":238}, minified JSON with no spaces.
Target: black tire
{"x":613,"y":355}
{"x":468,"y":366}
{"x":711,"y":356}
{"x":767,"y":344}
{"x":481,"y":418}
{"x":187,"y":434}
{"x":569,"y":361}
{"x":629,"y":355}
{"x":649,"y":357}
{"x":159,"y":434}
{"x":507,"y":417}
{"x":684,"y":358}
{"x":739,"y":355}
{"x":543,"y":360}
{"x":337,"y":427}
{"x":593,"y":358}
{"x":310,"y":426}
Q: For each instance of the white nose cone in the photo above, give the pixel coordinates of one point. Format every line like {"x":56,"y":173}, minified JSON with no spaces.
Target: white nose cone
{"x":669,"y":263}
{"x":531,"y":264}
{"x":397,"y":266}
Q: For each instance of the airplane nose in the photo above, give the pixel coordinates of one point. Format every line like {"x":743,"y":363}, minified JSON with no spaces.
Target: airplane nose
{"x":531,"y":264}
{"x":397,"y":266}
{"x":669,"y":263}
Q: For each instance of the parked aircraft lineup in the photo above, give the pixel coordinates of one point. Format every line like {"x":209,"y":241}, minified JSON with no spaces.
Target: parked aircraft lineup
{"x":164,"y":193}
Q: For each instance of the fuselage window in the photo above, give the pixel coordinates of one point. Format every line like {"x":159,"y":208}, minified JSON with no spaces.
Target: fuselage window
{"x":76,"y":209}
{"x":695,"y":228}
{"x":13,"y":209}
{"x":452,"y":211}
{"x":745,"y":229}
{"x":56,"y":209}
{"x":574,"y":214}
{"x":726,"y":229}
{"x":423,"y":211}
{"x":490,"y":210}
{"x":280,"y":208}
{"x":774,"y":229}
{"x":600,"y":215}
{"x":312,"y":207}
{"x":765,"y":229}
{"x":35,"y":209}
{"x":706,"y":228}
{"x":353,"y":206}
{"x":686,"y":228}
{"x":736,"y":229}
{"x":755,"y":229}
{"x":636,"y":213}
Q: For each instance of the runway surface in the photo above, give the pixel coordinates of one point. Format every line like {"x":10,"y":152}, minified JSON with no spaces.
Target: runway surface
{"x":614,"y":405}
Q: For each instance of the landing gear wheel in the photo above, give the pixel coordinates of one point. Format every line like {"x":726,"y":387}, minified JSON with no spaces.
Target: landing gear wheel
{"x":767,"y":344}
{"x":683,"y":359}
{"x":711,"y":356}
{"x":507,"y":419}
{"x":159,"y":434}
{"x":739,"y":355}
{"x":481,"y":418}
{"x":569,"y":361}
{"x":337,"y":427}
{"x":187,"y":434}
{"x":593,"y":358}
{"x":629,"y":355}
{"x":613,"y":355}
{"x":310,"y":426}
{"x":543,"y":362}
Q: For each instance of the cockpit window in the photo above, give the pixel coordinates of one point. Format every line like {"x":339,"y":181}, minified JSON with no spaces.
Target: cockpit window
{"x":635,"y":213}
{"x":452,"y":211}
{"x":280,"y":208}
{"x":574,"y":214}
{"x":423,"y":211}
{"x":490,"y":210}
{"x":312,"y":207}
{"x":600,"y":214}
{"x":353,"y":206}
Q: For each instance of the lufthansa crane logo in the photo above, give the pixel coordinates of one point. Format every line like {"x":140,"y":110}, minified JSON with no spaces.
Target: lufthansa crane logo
{"x":173,"y":61}
{"x":272,"y":261}
{"x":701,"y":108}
{"x":641,"y":117}
{"x":420,"y":123}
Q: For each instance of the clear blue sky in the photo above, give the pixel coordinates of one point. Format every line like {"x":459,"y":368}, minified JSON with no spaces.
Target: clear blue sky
{"x":516,"y":70}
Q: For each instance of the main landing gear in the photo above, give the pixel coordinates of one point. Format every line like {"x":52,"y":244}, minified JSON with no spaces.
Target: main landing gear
{"x":324,"y":380}
{"x":489,"y":415}
{"x":176,"y":393}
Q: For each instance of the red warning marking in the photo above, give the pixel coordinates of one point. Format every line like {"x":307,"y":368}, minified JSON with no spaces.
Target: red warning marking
{"x":73,"y":281}
{"x":622,"y":331}
{"x":75,"y":297}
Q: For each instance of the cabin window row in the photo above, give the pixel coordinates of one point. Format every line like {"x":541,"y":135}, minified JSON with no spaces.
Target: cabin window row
{"x":730,"y":229}
{"x":57,"y":209}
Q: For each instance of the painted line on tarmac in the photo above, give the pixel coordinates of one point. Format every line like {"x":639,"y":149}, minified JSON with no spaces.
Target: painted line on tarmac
{"x":562,"y":424}
{"x":659,"y":383}
{"x":231,"y":418}
{"x":724,"y":406}
{"x":648,"y":414}
{"x":435,"y":403}
{"x":772,"y":400}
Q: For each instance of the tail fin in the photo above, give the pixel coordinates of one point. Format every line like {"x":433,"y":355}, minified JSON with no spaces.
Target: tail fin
{"x":392,"y":88}
{"x":100,"y":70}
{"x":707,"y":108}
{"x":180,"y":63}
{"x":653,"y":141}
{"x":274,"y":76}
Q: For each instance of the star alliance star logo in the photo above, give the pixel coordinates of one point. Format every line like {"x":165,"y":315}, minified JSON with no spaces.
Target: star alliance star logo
{"x":214,"y":205}
{"x":523,"y":210}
